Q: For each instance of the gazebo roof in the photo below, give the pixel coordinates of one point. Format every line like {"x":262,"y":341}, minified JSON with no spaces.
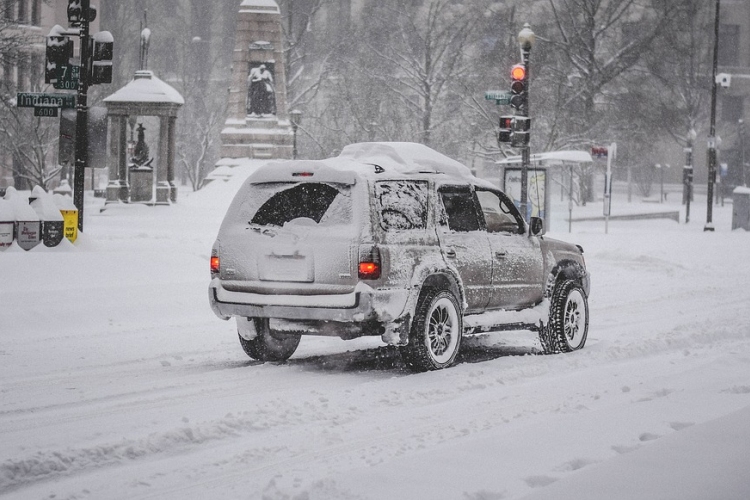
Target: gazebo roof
{"x":145,"y":87}
{"x":260,"y":6}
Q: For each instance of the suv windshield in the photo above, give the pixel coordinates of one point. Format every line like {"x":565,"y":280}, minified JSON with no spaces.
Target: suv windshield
{"x":279,"y":204}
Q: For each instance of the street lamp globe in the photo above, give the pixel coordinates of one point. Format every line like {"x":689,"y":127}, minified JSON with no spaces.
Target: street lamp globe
{"x":526,"y":37}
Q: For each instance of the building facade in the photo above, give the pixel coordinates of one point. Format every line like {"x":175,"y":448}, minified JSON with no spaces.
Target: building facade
{"x":733,"y":96}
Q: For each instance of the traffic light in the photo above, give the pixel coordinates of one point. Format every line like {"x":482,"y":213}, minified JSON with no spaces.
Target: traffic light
{"x":521,"y":128}
{"x":58,"y":54}
{"x":101,"y":68}
{"x":518,"y":86}
{"x":506,"y":129}
{"x":75,"y":13}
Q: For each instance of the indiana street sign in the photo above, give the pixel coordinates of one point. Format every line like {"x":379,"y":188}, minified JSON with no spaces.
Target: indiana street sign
{"x":67,"y":78}
{"x":34,"y":99}
{"x":499,"y":96}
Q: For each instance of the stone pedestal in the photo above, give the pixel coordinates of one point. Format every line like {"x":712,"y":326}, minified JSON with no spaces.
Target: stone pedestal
{"x":252,"y":130}
{"x":141,"y":185}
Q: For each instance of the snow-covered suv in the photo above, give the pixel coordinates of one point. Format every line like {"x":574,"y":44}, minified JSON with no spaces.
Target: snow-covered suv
{"x":390,"y":239}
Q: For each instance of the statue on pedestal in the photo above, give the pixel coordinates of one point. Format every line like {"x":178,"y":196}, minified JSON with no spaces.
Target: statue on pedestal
{"x":261,"y":95}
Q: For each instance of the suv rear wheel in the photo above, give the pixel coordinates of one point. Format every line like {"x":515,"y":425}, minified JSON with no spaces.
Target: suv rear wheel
{"x":568,"y":324}
{"x":435,"y":336}
{"x":269,"y":345}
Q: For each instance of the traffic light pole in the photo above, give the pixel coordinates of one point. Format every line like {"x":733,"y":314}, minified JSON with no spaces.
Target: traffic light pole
{"x":82,"y":114}
{"x":526,"y":150}
{"x":712,"y":131}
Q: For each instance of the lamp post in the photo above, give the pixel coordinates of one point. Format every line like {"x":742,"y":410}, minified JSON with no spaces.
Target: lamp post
{"x":712,"y":131}
{"x":526,"y":39}
{"x":371,"y":131}
{"x":741,"y":134}
{"x":687,"y":173}
{"x":296,"y":118}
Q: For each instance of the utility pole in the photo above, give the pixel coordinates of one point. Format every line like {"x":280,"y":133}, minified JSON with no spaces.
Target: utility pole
{"x":82,"y":113}
{"x":526,"y":39}
{"x":712,"y":130}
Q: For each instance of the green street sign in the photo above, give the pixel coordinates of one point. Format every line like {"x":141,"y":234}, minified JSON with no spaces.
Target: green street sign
{"x":46,"y":111}
{"x":67,"y":78}
{"x":500,"y":97}
{"x":34,"y":99}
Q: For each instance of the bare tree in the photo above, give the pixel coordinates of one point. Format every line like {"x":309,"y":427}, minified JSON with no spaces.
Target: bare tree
{"x":29,"y":143}
{"x":424,"y":59}
{"x":596,"y":47}
{"x":26,"y":142}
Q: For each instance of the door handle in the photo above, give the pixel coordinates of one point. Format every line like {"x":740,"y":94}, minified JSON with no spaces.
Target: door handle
{"x":451,"y":253}
{"x":501,"y":254}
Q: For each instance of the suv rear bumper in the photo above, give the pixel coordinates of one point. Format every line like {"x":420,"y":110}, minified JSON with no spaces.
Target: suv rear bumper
{"x":364,"y":305}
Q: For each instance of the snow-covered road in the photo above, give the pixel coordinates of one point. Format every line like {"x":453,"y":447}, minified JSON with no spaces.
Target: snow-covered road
{"x":117,"y":381}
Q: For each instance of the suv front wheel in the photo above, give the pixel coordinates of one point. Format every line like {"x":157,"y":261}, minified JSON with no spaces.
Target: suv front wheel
{"x":568,"y":324}
{"x":435,"y":335}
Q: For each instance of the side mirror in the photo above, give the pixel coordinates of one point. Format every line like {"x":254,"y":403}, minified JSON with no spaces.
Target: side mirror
{"x":536,"y":226}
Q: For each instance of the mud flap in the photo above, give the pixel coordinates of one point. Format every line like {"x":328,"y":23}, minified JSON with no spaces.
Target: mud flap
{"x":397,"y":332}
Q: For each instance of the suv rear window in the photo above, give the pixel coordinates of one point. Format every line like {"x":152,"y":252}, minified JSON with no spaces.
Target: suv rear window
{"x":324,"y":204}
{"x":402,"y":205}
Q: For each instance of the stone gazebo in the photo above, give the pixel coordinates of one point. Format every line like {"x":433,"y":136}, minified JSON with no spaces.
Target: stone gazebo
{"x":132,"y":179}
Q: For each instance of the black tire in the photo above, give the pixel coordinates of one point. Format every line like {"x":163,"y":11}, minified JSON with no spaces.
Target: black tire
{"x":435,"y":336}
{"x":568,"y":324}
{"x":269,"y":345}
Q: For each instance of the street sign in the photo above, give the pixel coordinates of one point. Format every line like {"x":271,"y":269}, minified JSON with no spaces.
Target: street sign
{"x":500,"y":97}
{"x":34,"y":99}
{"x":47,"y":111}
{"x":67,"y":78}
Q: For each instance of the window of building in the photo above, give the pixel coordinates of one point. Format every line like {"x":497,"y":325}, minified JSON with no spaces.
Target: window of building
{"x":36,"y":12}
{"x":729,"y":45}
{"x":23,"y":11}
{"x":732,"y":108}
{"x":9,"y":9}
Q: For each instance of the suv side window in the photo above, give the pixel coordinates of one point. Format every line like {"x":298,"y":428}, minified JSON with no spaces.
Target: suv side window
{"x":460,"y":209}
{"x":402,"y":205}
{"x":500,"y":215}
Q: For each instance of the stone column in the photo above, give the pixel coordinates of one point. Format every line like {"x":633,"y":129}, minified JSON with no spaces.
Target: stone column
{"x":171,"y":145}
{"x":113,"y":186}
{"x":163,"y":194}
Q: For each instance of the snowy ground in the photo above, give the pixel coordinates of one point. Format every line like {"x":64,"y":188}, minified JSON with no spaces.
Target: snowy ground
{"x":117,"y":381}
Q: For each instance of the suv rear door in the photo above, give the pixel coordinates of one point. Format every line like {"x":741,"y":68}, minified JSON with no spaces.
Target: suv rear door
{"x":464,"y":243}
{"x":290,"y":237}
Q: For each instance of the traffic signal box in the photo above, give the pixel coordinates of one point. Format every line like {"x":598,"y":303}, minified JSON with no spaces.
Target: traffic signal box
{"x":58,"y":54}
{"x":101,"y":70}
{"x":515,"y":129}
{"x":518,"y":92}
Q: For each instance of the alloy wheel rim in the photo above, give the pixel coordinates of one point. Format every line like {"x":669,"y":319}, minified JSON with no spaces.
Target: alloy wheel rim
{"x":442,"y":326}
{"x":574,"y":323}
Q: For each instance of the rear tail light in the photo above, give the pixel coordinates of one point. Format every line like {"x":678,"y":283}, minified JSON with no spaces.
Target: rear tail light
{"x":369,"y":263}
{"x":215,"y":264}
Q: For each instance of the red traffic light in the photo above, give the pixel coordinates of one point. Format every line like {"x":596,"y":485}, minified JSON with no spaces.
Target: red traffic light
{"x":506,"y":122}
{"x":518,"y":72}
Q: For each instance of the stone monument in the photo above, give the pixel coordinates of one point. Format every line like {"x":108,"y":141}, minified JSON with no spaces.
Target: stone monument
{"x":257,"y":124}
